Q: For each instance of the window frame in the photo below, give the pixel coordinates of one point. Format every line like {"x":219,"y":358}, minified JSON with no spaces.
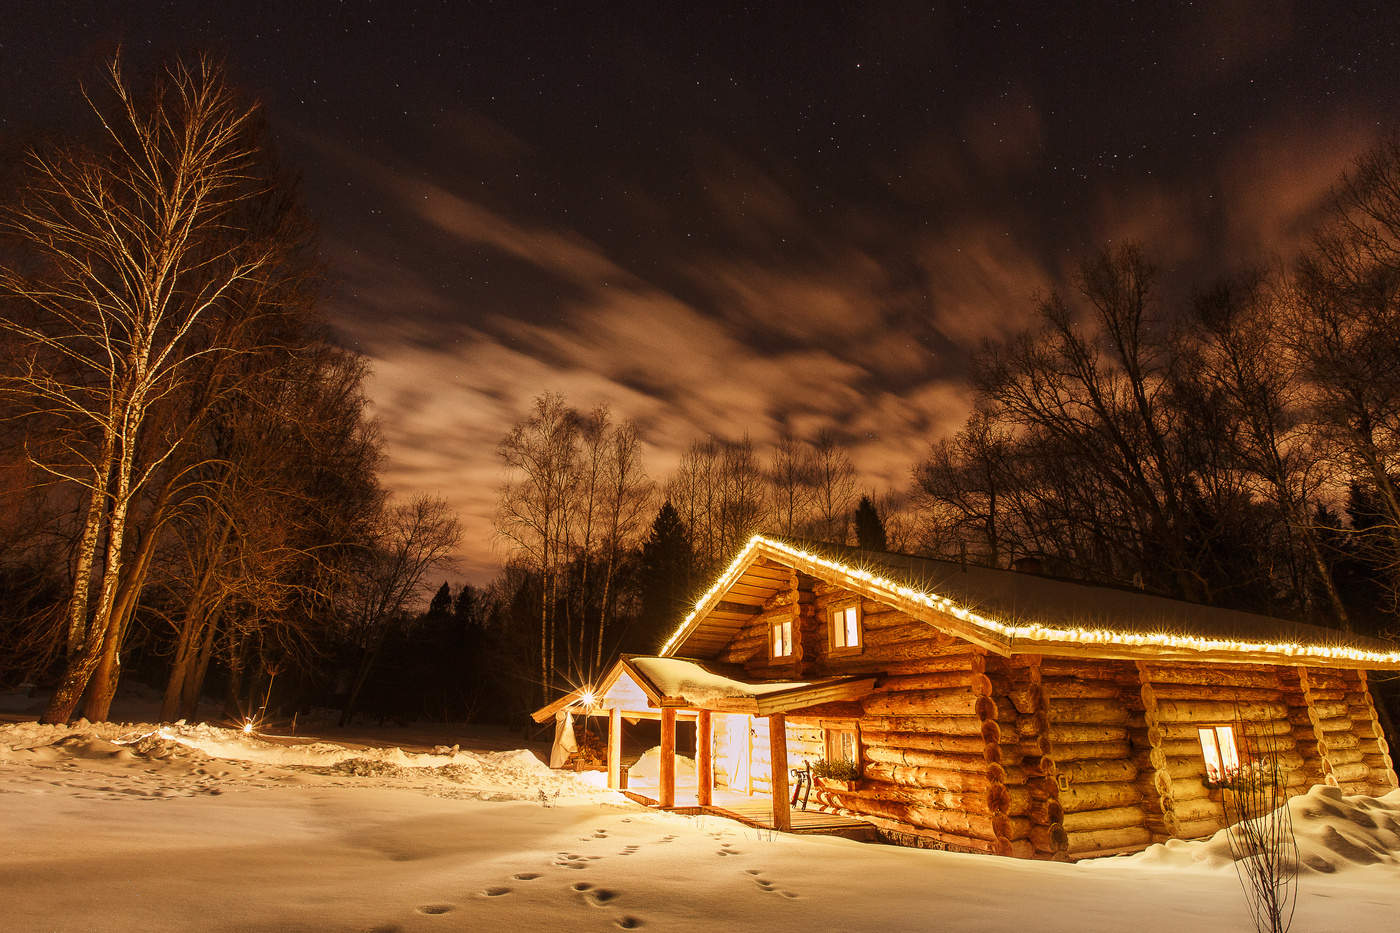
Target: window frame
{"x":831,"y":730}
{"x":835,"y":622}
{"x":1219,"y":770}
{"x":773,"y":629}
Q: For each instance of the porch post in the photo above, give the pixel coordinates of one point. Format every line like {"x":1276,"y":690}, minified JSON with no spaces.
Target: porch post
{"x":615,"y":749}
{"x":777,"y":748}
{"x":704,"y":758}
{"x":668,"y":756}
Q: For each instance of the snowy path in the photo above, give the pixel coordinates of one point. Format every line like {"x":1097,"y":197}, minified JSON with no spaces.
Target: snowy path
{"x":96,"y":839}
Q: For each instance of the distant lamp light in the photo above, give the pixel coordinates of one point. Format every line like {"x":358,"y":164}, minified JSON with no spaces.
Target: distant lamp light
{"x":248,"y":727}
{"x":588,"y":698}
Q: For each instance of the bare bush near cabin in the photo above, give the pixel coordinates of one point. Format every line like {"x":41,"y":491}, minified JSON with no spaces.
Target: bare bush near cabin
{"x":1260,"y":830}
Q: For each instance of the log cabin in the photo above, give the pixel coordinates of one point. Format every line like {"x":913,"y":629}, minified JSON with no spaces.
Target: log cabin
{"x":988,"y":710}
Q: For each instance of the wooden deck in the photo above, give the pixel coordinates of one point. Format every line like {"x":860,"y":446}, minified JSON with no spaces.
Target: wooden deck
{"x":759,"y":814}
{"x":804,"y":822}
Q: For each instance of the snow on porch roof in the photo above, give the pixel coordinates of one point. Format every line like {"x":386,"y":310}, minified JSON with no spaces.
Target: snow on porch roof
{"x":687,"y":684}
{"x":1008,"y":612}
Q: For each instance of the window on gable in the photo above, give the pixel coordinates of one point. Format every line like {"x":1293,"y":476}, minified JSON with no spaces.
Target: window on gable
{"x":1221,"y":755}
{"x":845,"y":628}
{"x":780,"y":641}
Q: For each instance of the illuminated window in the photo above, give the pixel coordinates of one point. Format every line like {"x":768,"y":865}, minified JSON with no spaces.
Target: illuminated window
{"x":842,"y":742}
{"x":845,"y":628}
{"x":781,"y":642}
{"x":1221,"y":754}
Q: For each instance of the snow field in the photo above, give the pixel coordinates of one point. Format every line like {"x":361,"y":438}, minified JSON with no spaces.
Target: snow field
{"x":136,"y":828}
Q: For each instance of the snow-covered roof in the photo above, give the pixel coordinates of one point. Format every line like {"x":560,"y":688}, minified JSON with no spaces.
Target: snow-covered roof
{"x":688,"y":680}
{"x":694,"y":685}
{"x":1007,"y":611}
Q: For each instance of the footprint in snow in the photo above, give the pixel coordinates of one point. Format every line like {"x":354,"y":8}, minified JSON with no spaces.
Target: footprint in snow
{"x":495,"y":891}
{"x":581,"y":886}
{"x":600,"y":897}
{"x":526,"y":875}
{"x":433,"y":910}
{"x":628,"y":923}
{"x":628,"y":850}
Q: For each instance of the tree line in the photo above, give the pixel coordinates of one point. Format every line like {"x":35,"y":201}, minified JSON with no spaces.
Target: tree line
{"x":1239,"y":447}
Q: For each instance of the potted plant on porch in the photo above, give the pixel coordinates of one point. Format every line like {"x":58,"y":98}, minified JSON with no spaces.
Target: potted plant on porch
{"x":840,"y":774}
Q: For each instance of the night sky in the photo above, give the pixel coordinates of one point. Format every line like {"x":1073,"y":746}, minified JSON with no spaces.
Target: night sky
{"x":728,"y":220}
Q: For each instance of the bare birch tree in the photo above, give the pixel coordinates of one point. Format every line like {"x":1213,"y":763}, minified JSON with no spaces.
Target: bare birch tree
{"x":627,"y":496}
{"x":533,"y":511}
{"x":833,"y":488}
{"x":128,"y":263}
{"x":790,"y":475}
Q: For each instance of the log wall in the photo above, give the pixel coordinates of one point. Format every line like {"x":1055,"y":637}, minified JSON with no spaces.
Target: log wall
{"x":1045,"y":757}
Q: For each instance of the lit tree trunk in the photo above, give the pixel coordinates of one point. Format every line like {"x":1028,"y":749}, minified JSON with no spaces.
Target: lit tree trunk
{"x":194,"y":681}
{"x":87,"y":547}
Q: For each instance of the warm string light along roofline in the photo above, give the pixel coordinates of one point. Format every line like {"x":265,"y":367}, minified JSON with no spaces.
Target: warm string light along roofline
{"x":1010,"y":634}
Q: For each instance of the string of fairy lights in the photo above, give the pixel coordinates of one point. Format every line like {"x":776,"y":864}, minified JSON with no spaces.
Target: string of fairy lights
{"x":1009,"y":634}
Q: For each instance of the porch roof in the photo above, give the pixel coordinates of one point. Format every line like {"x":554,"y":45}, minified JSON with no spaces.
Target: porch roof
{"x":656,"y":682}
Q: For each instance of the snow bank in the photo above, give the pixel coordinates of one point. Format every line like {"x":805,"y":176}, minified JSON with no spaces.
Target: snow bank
{"x":648,"y":768}
{"x":203,"y":752}
{"x":1334,"y":833}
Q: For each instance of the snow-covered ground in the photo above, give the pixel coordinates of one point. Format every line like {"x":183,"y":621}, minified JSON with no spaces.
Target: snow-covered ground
{"x":136,"y":827}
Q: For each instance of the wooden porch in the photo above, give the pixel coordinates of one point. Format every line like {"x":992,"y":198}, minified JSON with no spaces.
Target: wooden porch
{"x":759,"y":815}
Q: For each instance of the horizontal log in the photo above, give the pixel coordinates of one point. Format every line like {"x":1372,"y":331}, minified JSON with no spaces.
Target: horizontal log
{"x":1073,"y":733}
{"x":1110,"y":818}
{"x":1081,"y":751}
{"x":1356,"y":771}
{"x":1344,"y":755}
{"x":903,"y":833}
{"x":1330,"y":727}
{"x":939,"y":779}
{"x":1336,"y":710}
{"x":1214,"y":676}
{"x":930,"y":703}
{"x":925,"y":741}
{"x":1079,"y":797}
{"x":914,"y":757}
{"x":954,"y":822}
{"x":1213,"y":711}
{"x":973,"y":682}
{"x":1098,"y":839}
{"x":968,"y":660}
{"x":1190,"y":788}
{"x":1270,"y":694}
{"x":1339,"y":741}
{"x":940,"y":725}
{"x":1097,"y":770}
{"x":1197,"y":829}
{"x":1095,"y":712}
{"x":1086,"y":668}
{"x":1201,"y":808}
{"x":1081,"y":689}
